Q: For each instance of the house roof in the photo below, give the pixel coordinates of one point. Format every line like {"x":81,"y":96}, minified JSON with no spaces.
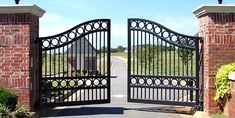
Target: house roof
{"x":83,"y":46}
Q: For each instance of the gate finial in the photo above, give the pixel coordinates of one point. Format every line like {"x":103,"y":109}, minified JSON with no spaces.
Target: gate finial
{"x":17,"y":1}
{"x":220,"y":1}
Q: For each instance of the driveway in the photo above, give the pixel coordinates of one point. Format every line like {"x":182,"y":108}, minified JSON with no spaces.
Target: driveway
{"x":119,"y":107}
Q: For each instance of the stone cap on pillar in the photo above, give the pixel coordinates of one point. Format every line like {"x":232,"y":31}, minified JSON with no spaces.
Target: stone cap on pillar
{"x":33,"y":9}
{"x":218,"y":8}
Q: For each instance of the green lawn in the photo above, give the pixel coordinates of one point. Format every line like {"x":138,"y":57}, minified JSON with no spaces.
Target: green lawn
{"x":166,"y":63}
{"x":58,"y":64}
{"x":218,"y":115}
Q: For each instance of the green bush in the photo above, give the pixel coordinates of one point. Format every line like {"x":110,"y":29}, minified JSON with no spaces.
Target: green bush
{"x":8,"y":98}
{"x":4,"y":111}
{"x":21,"y":111}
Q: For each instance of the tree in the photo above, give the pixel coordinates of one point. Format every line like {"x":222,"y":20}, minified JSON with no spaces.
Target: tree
{"x":121,"y":48}
{"x":185,"y":55}
{"x":148,"y":53}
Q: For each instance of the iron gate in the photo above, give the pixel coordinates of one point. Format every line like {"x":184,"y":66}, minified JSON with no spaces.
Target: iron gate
{"x":75,"y":65}
{"x":163,"y":66}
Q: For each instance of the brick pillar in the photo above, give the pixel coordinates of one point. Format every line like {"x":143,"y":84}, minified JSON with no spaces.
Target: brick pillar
{"x":19,"y":28}
{"x":217,"y":27}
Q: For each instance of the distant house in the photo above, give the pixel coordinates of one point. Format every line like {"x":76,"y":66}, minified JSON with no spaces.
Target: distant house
{"x":81,"y":55}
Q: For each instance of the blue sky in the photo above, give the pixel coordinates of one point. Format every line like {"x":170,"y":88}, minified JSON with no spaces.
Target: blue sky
{"x":63,"y":14}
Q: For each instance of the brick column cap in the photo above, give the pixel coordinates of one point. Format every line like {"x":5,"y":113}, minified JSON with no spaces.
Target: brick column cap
{"x":33,"y":9}
{"x":216,"y":8}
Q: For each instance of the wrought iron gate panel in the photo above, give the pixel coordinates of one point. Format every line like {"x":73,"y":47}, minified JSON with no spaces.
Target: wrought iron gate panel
{"x":163,"y":65}
{"x":75,"y":65}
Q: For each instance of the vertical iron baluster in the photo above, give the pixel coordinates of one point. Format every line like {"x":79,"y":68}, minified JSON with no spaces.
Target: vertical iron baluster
{"x":88,"y":64}
{"x":149,"y":61}
{"x":137,"y":52}
{"x":146,"y":63}
{"x":54,"y":55}
{"x":96,"y":71}
{"x":133,"y":56}
{"x":153,"y":73}
{"x":129,"y":38}
{"x":59,"y":64}
{"x":92,"y":62}
{"x":158,"y":46}
{"x":80,"y":69}
{"x":141,"y":55}
{"x":174,"y":70}
{"x":67,"y":94}
{"x":100,"y":64}
{"x":71,"y":91}
{"x":109,"y":59}
{"x":153,"y":66}
{"x":104,"y":64}
{"x":63,"y":73}
{"x":170,"y":83}
{"x":183,"y":73}
{"x":187,"y":74}
{"x":76,"y":69}
{"x":178,"y":82}
{"x":84,"y":72}
{"x":192,"y":74}
{"x":166,"y":69}
{"x":138,"y":65}
{"x":166,"y":58}
{"x":161,"y":79}
{"x":131,"y":91}
{"x":45,"y":76}
{"x":197,"y":70}
{"x":50,"y":77}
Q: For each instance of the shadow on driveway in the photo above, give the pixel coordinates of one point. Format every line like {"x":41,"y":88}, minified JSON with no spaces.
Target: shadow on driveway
{"x":87,"y":111}
{"x":83,"y":111}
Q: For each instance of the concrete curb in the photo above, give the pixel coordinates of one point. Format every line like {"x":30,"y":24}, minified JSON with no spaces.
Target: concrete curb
{"x":201,"y":114}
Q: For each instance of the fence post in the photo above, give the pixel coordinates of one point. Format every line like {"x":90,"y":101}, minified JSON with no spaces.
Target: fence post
{"x":19,"y":28}
{"x":217,"y":27}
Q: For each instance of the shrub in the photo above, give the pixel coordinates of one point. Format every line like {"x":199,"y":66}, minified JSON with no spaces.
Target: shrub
{"x":4,"y":111}
{"x":8,"y":98}
{"x":222,"y":84}
{"x":21,"y":111}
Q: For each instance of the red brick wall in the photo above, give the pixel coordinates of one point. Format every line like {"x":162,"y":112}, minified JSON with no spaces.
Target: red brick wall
{"x":229,"y":109}
{"x":17,"y":33}
{"x":218,"y":31}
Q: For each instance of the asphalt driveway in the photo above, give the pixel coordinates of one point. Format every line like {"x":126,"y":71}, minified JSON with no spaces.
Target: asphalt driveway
{"x":119,"y":107}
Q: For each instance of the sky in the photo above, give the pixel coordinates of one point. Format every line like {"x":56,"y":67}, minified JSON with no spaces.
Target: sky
{"x":62,"y":15}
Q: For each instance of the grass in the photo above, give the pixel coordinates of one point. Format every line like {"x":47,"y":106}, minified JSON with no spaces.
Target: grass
{"x":58,"y":64}
{"x":170,"y":63}
{"x":218,"y":115}
{"x":121,"y":54}
{"x":54,"y":64}
{"x":166,"y":63}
